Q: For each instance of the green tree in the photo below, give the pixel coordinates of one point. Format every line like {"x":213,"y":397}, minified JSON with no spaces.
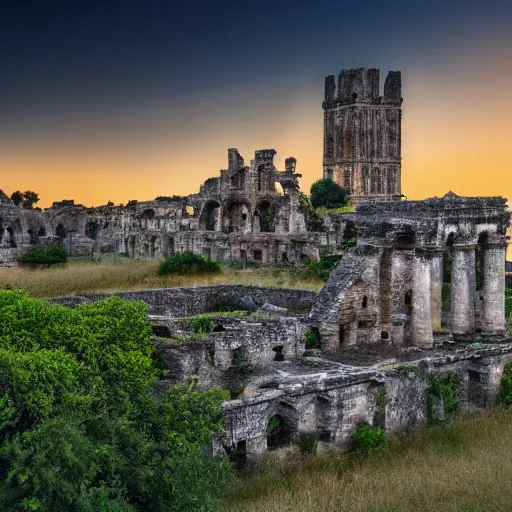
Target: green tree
{"x":17,"y":197}
{"x":327,"y":193}
{"x":30,"y":198}
{"x":79,"y":427}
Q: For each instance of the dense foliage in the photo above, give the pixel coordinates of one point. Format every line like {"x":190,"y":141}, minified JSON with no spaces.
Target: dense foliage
{"x":45,"y":255}
{"x":443,"y":398}
{"x":25,"y":199}
{"x":188,"y":263}
{"x":79,"y":428}
{"x":504,"y":396}
{"x":324,"y":267}
{"x":327,"y":193}
{"x":368,"y":439}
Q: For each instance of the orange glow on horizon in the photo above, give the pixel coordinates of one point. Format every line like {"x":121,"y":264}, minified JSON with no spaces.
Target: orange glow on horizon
{"x":456,"y":135}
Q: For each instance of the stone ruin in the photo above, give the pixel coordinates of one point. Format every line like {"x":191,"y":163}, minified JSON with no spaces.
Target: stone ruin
{"x":420,"y":296}
{"x":251,"y":213}
{"x":362,"y":134}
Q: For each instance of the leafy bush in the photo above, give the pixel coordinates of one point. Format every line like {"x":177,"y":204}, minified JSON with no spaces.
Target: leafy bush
{"x":327,"y":193}
{"x":324,"y":267}
{"x":308,"y":442}
{"x":188,"y":263}
{"x":508,"y":303}
{"x":201,"y":324}
{"x":504,"y":396}
{"x":79,"y":428}
{"x":44,"y":255}
{"x":368,"y":439}
{"x":443,"y":398}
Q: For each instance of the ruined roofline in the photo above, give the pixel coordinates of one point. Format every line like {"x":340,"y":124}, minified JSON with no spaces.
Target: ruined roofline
{"x":362,"y":86}
{"x":433,"y":204}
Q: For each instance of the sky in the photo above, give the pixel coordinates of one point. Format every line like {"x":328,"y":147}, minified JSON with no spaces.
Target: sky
{"x":111,"y":101}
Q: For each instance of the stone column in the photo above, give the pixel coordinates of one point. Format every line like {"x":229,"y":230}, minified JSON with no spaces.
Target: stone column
{"x":436,"y":289}
{"x":493,"y":306}
{"x":463,"y":291}
{"x":421,"y":301}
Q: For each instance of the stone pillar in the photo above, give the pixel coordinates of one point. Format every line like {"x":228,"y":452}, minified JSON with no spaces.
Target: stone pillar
{"x":493,"y":306}
{"x":463,"y":291}
{"x":436,"y":289}
{"x":421,"y":301}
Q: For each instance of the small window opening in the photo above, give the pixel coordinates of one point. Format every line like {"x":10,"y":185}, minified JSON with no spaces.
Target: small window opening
{"x":279,"y":356}
{"x":162,"y":331}
{"x":342,"y":335}
{"x":384,"y":335}
{"x":218,"y":328}
{"x":365,"y":302}
{"x":257,"y":255}
{"x":408,"y":301}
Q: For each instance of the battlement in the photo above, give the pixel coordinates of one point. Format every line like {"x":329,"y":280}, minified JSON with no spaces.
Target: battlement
{"x":362,"y":85}
{"x":264,"y":156}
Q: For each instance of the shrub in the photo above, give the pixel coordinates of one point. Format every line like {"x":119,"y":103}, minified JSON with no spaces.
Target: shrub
{"x":308,"y":442}
{"x":369,"y":439}
{"x":327,"y":193}
{"x":201,"y":324}
{"x":313,"y":220}
{"x":324,"y":267}
{"x":504,"y":396}
{"x":44,"y":255}
{"x":188,"y":263}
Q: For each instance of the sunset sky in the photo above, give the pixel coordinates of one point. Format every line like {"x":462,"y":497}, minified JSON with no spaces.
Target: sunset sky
{"x":128,"y":100}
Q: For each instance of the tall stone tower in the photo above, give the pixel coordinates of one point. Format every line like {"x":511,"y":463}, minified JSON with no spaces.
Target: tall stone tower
{"x":362,"y":134}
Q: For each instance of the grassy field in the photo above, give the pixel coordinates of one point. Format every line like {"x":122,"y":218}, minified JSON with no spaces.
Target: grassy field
{"x":464,"y":468}
{"x":118,"y":273}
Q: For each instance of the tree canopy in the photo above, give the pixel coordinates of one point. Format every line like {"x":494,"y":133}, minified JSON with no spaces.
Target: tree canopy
{"x":327,"y":193}
{"x":25,"y":199}
{"x":79,"y":427}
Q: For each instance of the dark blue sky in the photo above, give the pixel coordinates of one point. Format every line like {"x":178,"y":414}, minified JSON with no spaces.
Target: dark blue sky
{"x":65,"y":59}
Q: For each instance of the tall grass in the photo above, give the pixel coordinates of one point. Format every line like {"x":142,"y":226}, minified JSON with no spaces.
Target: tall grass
{"x":467,"y":467}
{"x":118,"y":273}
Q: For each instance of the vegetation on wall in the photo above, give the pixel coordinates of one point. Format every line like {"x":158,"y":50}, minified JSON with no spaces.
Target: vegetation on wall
{"x":443,"y":398}
{"x":79,"y":428}
{"x":188,"y":263}
{"x":327,"y":193}
{"x":504,"y":395}
{"x":44,"y":255}
{"x":313,"y":221}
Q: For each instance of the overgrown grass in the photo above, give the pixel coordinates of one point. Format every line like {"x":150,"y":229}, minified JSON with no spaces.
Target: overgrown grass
{"x":467,"y":467}
{"x":117,"y":273}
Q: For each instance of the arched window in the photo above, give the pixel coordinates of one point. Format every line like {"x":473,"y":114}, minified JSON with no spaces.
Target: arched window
{"x":278,"y":433}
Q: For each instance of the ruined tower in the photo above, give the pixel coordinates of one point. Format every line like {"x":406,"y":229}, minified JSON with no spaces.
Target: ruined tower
{"x":362,"y":134}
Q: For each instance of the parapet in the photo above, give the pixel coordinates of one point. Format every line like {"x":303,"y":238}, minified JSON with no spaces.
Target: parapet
{"x":362,"y":85}
{"x":290,"y":164}
{"x":264,"y":156}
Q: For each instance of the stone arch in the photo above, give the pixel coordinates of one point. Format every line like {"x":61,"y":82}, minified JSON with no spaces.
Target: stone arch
{"x":210,"y":216}
{"x":41,"y":232}
{"x":282,"y":426}
{"x":61,"y":231}
{"x":11,"y":238}
{"x":405,"y":239}
{"x":148,"y":213}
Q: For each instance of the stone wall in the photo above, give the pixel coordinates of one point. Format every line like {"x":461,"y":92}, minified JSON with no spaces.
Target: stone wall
{"x":188,"y":301}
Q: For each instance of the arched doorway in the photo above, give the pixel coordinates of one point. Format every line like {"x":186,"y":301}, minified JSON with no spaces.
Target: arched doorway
{"x":278,"y":432}
{"x":209,"y":220}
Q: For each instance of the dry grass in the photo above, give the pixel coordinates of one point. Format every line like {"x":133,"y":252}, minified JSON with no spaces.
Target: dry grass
{"x":117,"y":273}
{"x":464,"y":468}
